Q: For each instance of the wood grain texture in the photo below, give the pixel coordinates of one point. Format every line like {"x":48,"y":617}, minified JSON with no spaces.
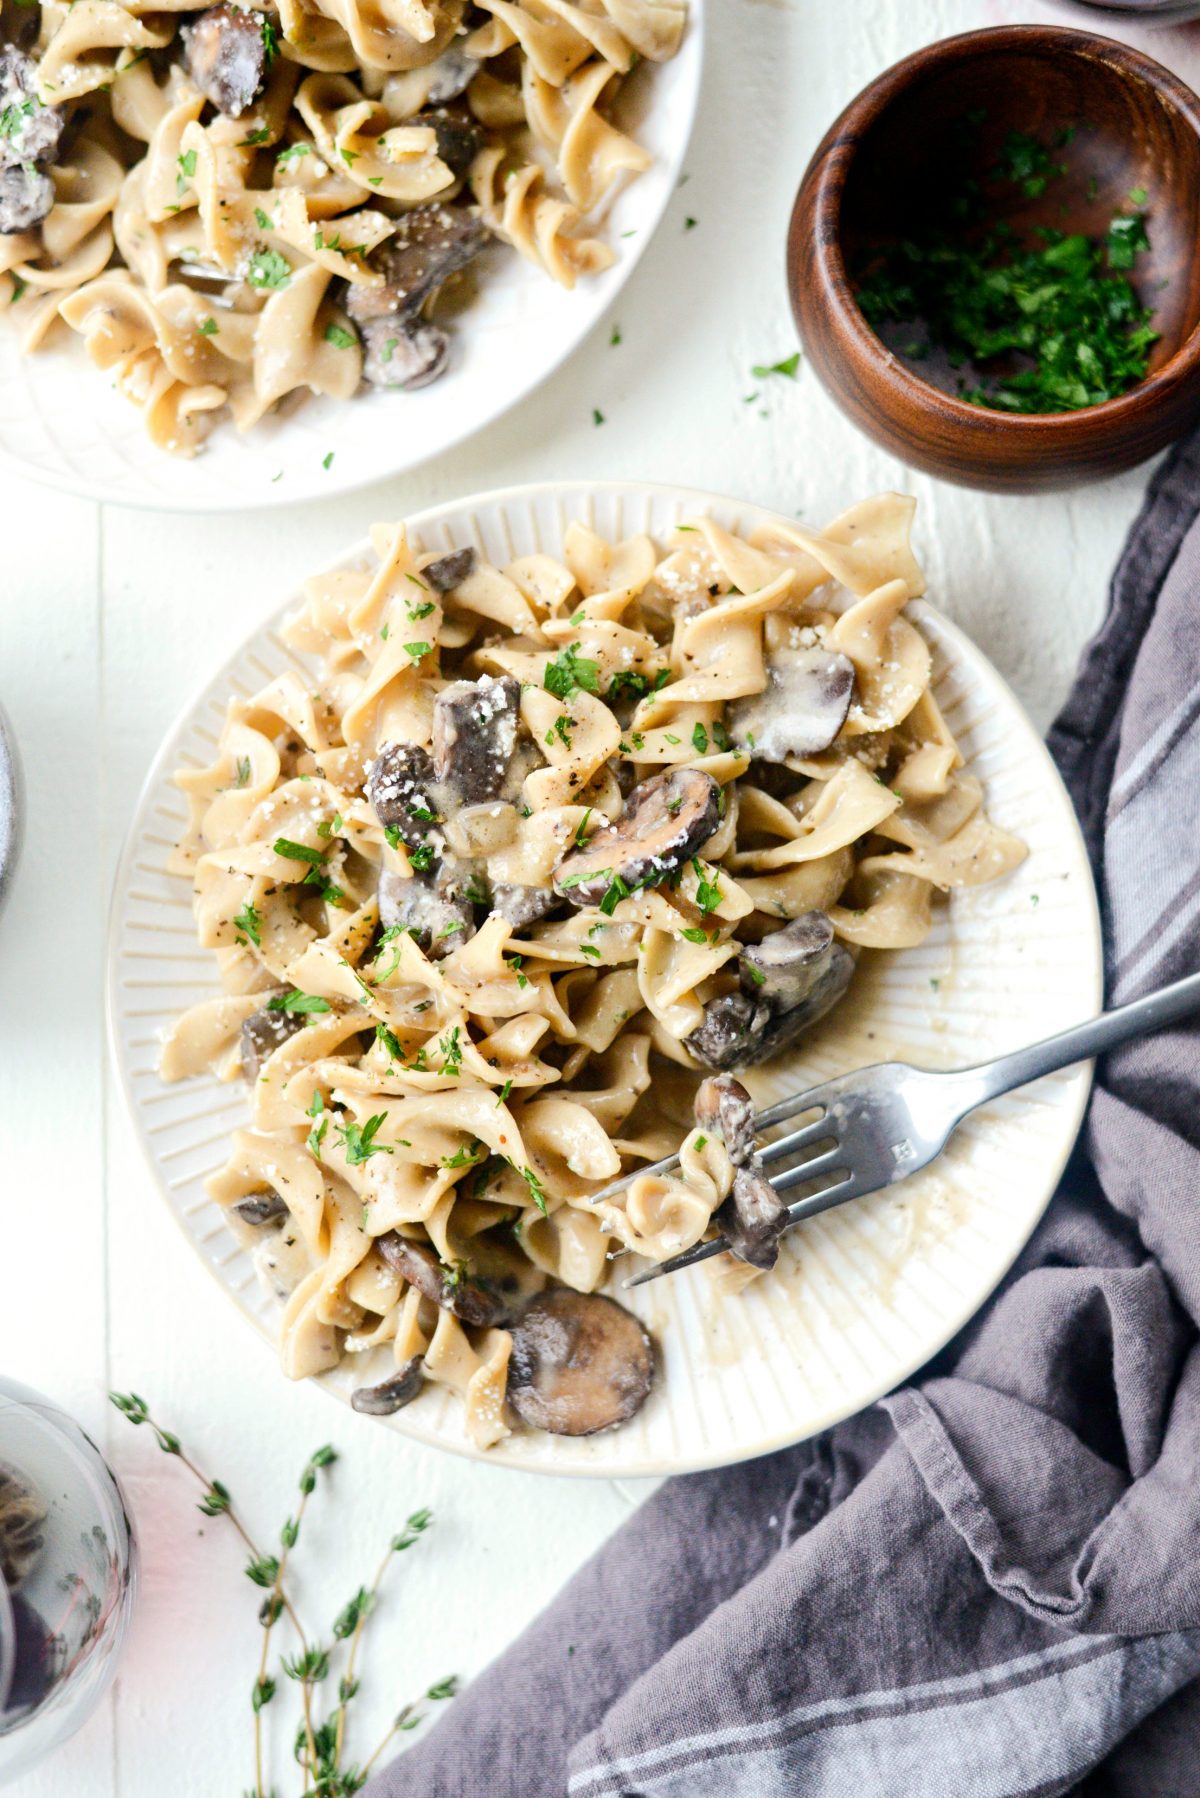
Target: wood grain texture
{"x":109,"y":620}
{"x":896,"y":144}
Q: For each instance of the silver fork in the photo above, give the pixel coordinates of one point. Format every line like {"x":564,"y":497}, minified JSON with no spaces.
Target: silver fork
{"x":886,"y":1122}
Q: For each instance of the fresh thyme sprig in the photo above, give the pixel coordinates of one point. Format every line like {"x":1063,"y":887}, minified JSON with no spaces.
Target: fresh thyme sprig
{"x":319,"y":1747}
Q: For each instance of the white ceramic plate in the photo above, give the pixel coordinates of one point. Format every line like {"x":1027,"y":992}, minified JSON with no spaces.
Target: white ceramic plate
{"x":861,"y":1296}
{"x":62,"y":422}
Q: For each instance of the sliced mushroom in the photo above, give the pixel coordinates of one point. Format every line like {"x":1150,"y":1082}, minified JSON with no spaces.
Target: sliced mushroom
{"x":26,"y":197}
{"x":802,"y":707}
{"x":393,"y":1394}
{"x":459,"y":134}
{"x":29,"y":131}
{"x":449,"y":572}
{"x":724,"y":1107}
{"x":450,"y":76}
{"x":454,"y":1290}
{"x":401,"y":788}
{"x":752,"y":1218}
{"x":259,"y":1208}
{"x":226,"y":55}
{"x":430,"y":244}
{"x":262,"y":1033}
{"x":520,"y":905}
{"x":783,"y":969}
{"x":475,"y":733}
{"x":429,"y":907}
{"x":399,"y":352}
{"x":788,"y":982}
{"x":732,"y":1033}
{"x":579,"y":1363}
{"x":665,"y":821}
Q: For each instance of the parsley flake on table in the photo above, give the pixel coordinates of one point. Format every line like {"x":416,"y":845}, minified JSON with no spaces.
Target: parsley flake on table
{"x":598,"y":417}
{"x":787,"y":367}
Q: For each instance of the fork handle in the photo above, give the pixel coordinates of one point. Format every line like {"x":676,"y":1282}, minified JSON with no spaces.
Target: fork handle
{"x":1083,"y":1041}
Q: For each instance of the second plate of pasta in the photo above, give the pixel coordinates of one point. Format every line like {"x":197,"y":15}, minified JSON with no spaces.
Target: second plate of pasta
{"x":255,"y":255}
{"x":521,"y":820}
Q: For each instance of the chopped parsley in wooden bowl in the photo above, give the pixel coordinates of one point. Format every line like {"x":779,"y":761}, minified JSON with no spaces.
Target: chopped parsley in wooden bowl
{"x":994,"y":258}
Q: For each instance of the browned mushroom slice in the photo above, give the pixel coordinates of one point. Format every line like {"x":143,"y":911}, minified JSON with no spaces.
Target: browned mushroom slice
{"x":752,"y":1218}
{"x":453,"y":1289}
{"x":802,"y":707}
{"x":724,"y":1107}
{"x":579,"y":1363}
{"x":262,"y":1033}
{"x":401,"y":788}
{"x":399,"y":352}
{"x":430,"y":244}
{"x":29,"y":131}
{"x":520,"y":905}
{"x":785,"y":990}
{"x":784,"y":968}
{"x":26,"y":197}
{"x":665,"y":821}
{"x":428,"y":908}
{"x":449,"y":572}
{"x":475,"y":733}
{"x":259,"y":1208}
{"x":731,"y":1035}
{"x":226,"y":55}
{"x":393,"y":1394}
{"x":459,"y":135}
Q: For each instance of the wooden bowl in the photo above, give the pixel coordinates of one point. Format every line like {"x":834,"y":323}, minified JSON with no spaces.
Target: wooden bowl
{"x":1137,"y":126}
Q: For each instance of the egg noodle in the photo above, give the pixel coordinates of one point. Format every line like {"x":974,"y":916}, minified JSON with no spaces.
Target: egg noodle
{"x":464,"y":1082}
{"x":210,"y":258}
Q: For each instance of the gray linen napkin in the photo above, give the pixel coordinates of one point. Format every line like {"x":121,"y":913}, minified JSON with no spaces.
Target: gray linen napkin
{"x":989,"y":1583}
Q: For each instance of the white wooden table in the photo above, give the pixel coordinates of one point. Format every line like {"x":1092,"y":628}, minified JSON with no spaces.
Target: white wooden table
{"x":108,"y":619}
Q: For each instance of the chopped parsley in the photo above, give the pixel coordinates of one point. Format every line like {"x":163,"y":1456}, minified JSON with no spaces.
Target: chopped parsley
{"x":416,"y":613}
{"x":390,"y":1041}
{"x":248,"y":924}
{"x":503,"y":1095}
{"x":316,"y":1135}
{"x":13,"y":117}
{"x":1044,"y":323}
{"x":708,"y":892}
{"x":579,"y":839}
{"x":416,"y":650}
{"x":358,"y":1140}
{"x":269,"y":269}
{"x":207,"y":327}
{"x":758,"y":978}
{"x":297,"y":852}
{"x":464,"y":1156}
{"x":536,"y":1190}
{"x":243,"y":771}
{"x":451,"y":1050}
{"x":421,"y":857}
{"x":261,"y":219}
{"x":570,"y":671}
{"x":615,"y":339}
{"x":694,"y":935}
{"x":340,"y":337}
{"x":589,"y":949}
{"x":258,"y":136}
{"x":700,"y":740}
{"x":561,"y":728}
{"x":327,"y":461}
{"x":787,"y":367}
{"x":292,"y":154}
{"x":597,"y":416}
{"x":637,"y":685}
{"x":186,"y":164}
{"x":270,"y":39}
{"x":296,"y":1001}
